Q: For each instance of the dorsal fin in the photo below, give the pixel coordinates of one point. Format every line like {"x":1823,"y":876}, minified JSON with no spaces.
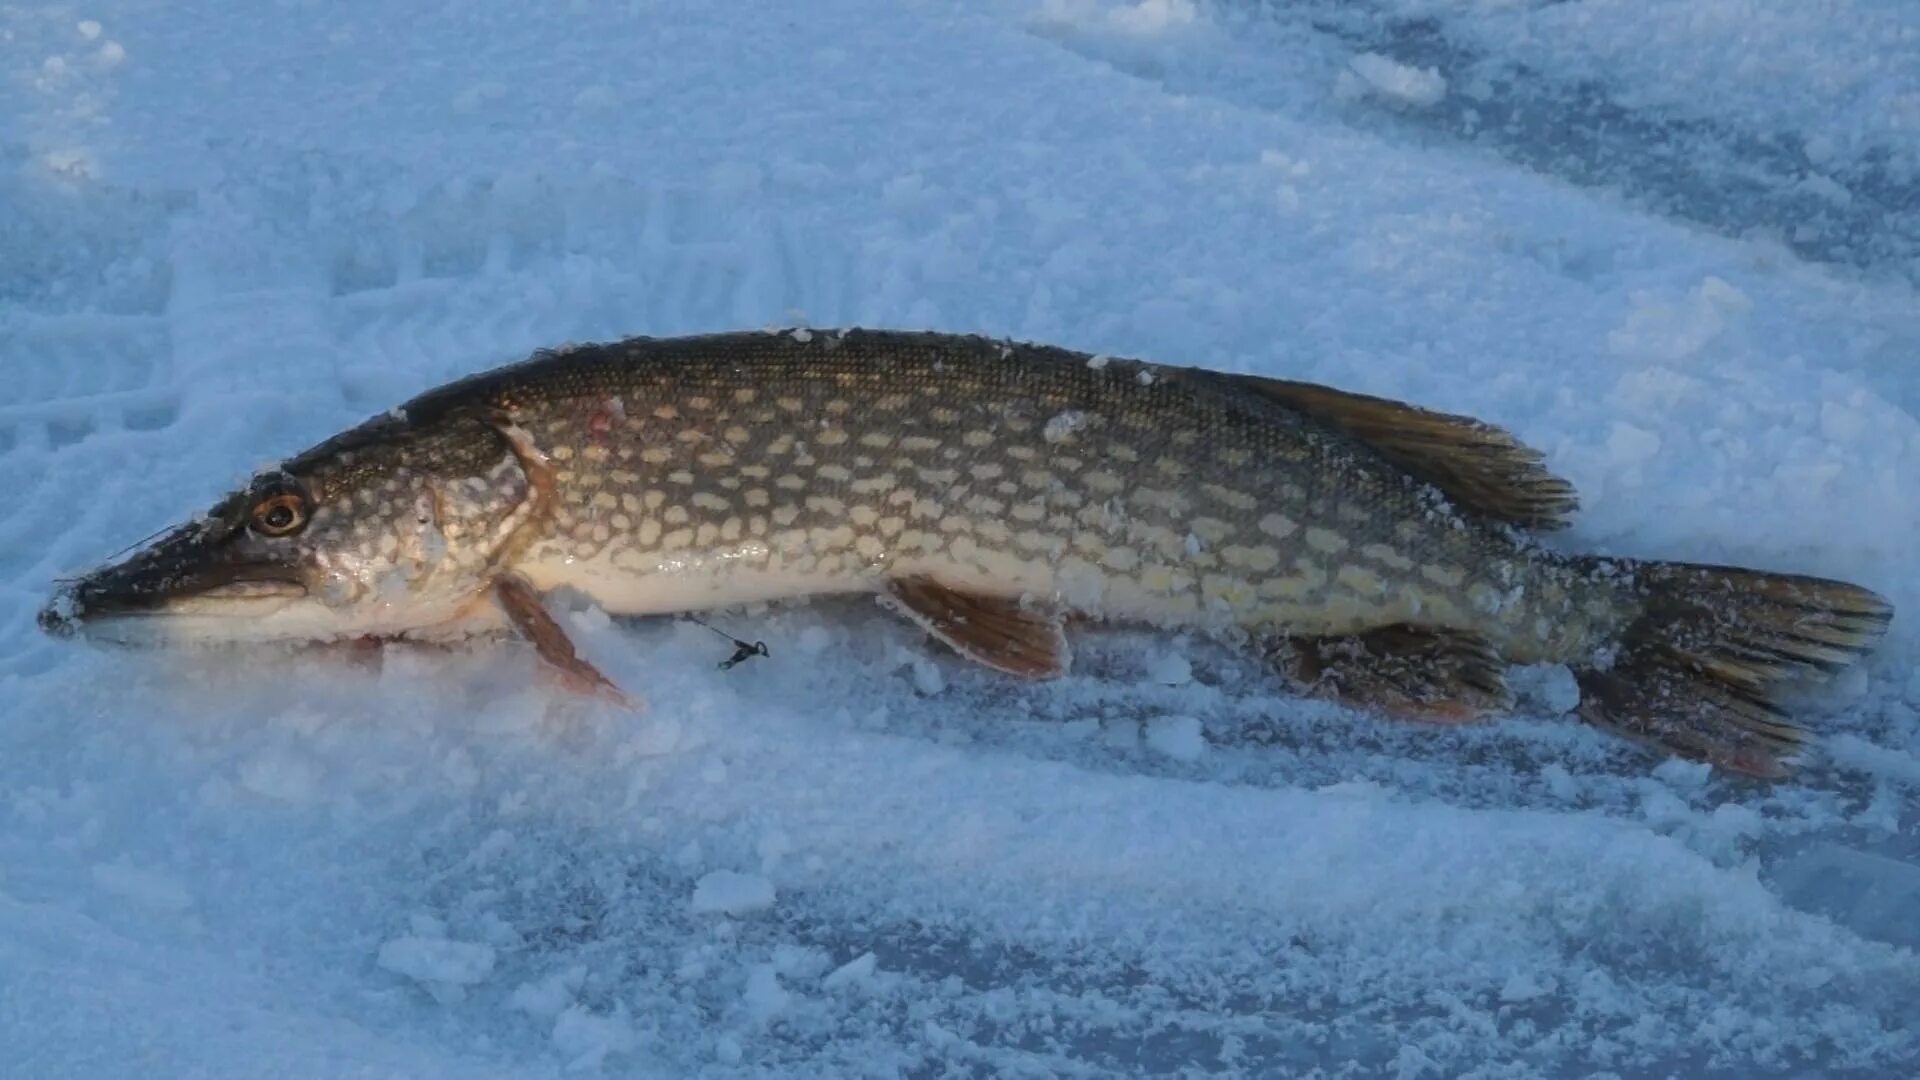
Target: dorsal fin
{"x":1481,"y":468}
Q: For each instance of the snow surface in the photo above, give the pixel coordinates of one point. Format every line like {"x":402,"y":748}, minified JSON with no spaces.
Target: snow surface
{"x":1674,"y":246}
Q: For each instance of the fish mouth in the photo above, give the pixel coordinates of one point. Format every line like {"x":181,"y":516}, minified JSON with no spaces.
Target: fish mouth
{"x":115,"y":597}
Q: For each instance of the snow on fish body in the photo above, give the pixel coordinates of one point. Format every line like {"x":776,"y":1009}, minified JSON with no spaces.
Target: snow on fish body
{"x":1377,"y":553}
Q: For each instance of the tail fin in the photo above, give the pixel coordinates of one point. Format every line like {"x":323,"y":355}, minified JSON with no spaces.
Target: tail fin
{"x":1699,"y":672}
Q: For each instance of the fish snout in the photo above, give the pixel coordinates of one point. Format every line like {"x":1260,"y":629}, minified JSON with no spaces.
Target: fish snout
{"x":78,"y":602}
{"x":61,"y":616}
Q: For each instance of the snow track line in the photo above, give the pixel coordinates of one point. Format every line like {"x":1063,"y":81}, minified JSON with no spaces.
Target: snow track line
{"x":1714,"y":171}
{"x":1863,"y":213}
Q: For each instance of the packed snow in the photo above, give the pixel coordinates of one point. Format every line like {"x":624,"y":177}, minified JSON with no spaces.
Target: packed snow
{"x":1675,"y":247}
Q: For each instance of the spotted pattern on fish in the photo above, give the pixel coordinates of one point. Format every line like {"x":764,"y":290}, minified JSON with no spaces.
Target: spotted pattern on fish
{"x":763,"y":464}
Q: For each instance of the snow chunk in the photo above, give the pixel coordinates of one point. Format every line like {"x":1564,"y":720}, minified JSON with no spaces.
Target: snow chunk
{"x":1548,"y":688}
{"x":1668,"y":331}
{"x":276,"y":774}
{"x":1683,"y":775}
{"x":1560,"y":782}
{"x":1412,"y":1062}
{"x":1374,"y":75}
{"x":927,"y":678}
{"x":586,"y":1039}
{"x":1629,"y":445}
{"x":1524,"y":986}
{"x":1352,"y":789}
{"x":799,"y":961}
{"x":730,"y":892}
{"x":814,"y":640}
{"x":1121,"y":734}
{"x":1170,"y":669}
{"x":857,"y":970}
{"x":765,"y":998}
{"x":1064,"y":425}
{"x":547,"y":998}
{"x":1839,"y":423}
{"x":1154,"y":16}
{"x":432,"y":960}
{"x":1178,"y":737}
{"x":655,"y":737}
{"x":1141,"y":20}
{"x":772,"y":847}
{"x":1883,"y":761}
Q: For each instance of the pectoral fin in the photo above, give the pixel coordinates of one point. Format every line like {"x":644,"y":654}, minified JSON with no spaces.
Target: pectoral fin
{"x":993,"y":630}
{"x":529,"y":616}
{"x":1413,"y":673}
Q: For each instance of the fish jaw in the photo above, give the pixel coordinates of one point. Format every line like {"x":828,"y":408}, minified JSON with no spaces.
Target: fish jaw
{"x":272,"y":620}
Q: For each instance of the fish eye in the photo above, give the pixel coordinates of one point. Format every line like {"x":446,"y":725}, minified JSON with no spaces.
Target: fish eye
{"x":281,"y":514}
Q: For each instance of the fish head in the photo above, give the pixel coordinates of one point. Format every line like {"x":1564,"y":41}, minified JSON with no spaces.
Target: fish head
{"x":393,"y":527}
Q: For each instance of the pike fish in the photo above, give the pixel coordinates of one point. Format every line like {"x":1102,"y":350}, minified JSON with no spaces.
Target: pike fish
{"x":1374,"y":553}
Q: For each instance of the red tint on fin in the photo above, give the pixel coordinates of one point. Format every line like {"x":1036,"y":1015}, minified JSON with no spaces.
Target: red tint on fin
{"x":531,"y":619}
{"x":992,"y":630}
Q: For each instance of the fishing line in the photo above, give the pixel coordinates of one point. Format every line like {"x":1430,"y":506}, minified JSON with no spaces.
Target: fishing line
{"x":742,"y":650}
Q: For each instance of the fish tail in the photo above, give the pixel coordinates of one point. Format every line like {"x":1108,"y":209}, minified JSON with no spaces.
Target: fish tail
{"x":1700,"y":669}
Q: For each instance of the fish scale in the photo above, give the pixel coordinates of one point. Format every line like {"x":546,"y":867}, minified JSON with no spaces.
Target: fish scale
{"x":1375,"y":553}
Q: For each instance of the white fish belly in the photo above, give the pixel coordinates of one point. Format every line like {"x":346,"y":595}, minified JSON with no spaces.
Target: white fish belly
{"x":664,"y":584}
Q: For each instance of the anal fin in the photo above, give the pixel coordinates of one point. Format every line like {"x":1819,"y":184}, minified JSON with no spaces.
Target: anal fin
{"x":993,"y":630}
{"x":530,"y":617}
{"x":1673,"y":708}
{"x":1409,"y":672}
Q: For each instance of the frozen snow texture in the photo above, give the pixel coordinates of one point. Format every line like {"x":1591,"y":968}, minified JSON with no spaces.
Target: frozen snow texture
{"x":1674,"y":246}
{"x":153,"y":889}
